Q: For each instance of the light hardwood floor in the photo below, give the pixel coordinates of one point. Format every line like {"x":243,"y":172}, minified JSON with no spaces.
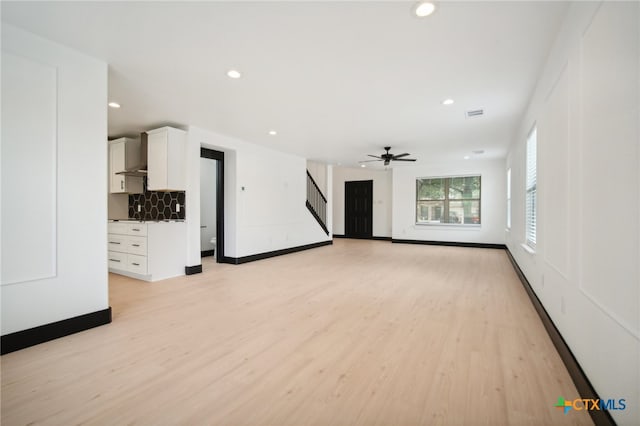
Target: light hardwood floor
{"x":361,"y":332}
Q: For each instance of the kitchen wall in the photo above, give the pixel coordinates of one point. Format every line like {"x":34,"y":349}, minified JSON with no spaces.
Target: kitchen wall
{"x":585,"y":266}
{"x":265,"y":195}
{"x":54,"y":165}
{"x":492,"y":204}
{"x":381,"y":226}
{"x":155,"y":205}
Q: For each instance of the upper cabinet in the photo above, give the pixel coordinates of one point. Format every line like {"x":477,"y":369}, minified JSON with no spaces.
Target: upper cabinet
{"x":166,"y":156}
{"x":124,"y":153}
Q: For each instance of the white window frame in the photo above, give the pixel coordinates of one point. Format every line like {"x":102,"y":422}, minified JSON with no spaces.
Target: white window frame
{"x":531,"y":188}
{"x":509,"y":198}
{"x":447,"y":200}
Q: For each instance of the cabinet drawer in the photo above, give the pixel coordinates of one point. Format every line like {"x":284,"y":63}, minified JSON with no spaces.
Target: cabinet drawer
{"x":137,"y":245}
{"x":117,"y":260}
{"x":118,"y":243}
{"x":118,"y":228}
{"x":137,"y":264}
{"x":137,"y":229}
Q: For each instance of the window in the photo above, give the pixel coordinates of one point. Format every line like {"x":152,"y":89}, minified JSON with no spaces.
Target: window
{"x":448,"y":200}
{"x":509,"y":199}
{"x":531,"y":199}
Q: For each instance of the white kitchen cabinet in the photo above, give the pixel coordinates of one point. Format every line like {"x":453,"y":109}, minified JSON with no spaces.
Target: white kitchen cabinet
{"x":149,"y":251}
{"x":166,"y":157}
{"x":124,"y":153}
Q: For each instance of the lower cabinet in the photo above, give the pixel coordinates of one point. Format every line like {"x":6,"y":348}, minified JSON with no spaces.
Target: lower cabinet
{"x":150,"y":251}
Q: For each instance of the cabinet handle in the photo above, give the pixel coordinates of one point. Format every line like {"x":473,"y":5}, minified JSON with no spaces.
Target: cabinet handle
{"x":135,"y":264}
{"x":114,"y":260}
{"x":122,"y":184}
{"x":136,"y":245}
{"x":135,"y":229}
{"x":113,"y":242}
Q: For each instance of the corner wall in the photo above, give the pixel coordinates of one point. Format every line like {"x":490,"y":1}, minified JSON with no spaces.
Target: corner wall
{"x":54,"y":164}
{"x":381,"y":198}
{"x":492,"y":203}
{"x":265,"y":195}
{"x":585,"y":269}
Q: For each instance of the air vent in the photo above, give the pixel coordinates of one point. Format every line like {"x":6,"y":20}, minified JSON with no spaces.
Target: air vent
{"x":478,"y":151}
{"x":475,"y":113}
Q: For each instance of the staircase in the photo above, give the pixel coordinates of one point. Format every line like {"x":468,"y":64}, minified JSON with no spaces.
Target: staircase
{"x":317,"y":203}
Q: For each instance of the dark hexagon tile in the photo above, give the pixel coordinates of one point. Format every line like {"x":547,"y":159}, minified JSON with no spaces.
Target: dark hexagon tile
{"x":147,"y":205}
{"x":153,"y":213}
{"x":167,"y":198}
{"x":167,"y":212}
{"x":154,"y":198}
{"x":181,"y":198}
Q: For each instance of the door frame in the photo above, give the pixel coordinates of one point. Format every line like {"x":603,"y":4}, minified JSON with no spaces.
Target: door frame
{"x":219,"y":157}
{"x":370,"y":181}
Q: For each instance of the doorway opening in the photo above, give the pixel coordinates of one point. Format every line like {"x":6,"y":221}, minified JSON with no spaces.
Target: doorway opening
{"x":211,"y":205}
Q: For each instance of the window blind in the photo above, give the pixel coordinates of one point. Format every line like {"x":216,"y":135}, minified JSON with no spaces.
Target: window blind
{"x":531,"y":198}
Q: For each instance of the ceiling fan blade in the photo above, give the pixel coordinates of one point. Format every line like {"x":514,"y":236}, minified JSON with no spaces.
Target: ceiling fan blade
{"x":404,"y":159}
{"x":374,"y":156}
{"x":368,"y":161}
{"x":400,"y":155}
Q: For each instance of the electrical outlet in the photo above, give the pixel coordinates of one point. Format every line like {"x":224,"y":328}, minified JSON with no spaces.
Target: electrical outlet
{"x":139,"y":208}
{"x":178,"y":207}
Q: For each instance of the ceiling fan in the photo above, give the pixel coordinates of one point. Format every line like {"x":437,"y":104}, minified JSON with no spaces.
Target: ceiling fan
{"x":388,"y":157}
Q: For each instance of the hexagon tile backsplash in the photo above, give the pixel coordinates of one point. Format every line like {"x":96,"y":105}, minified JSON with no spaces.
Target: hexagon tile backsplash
{"x":157,"y":205}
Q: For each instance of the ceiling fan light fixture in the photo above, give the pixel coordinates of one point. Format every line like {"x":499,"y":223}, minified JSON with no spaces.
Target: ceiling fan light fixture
{"x":424,"y":8}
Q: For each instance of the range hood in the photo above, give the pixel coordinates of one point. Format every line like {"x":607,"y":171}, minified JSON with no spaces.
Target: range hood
{"x":140,"y":169}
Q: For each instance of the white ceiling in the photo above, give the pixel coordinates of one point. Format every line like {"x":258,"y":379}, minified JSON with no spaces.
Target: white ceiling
{"x":337,"y":80}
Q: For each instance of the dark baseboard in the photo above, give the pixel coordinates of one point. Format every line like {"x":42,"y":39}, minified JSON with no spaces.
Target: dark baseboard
{"x":191,"y":270}
{"x":363,"y":238}
{"x":23,"y":339}
{"x":260,"y":256}
{"x":580,"y":379}
{"x":207,"y":253}
{"x":452,"y":244}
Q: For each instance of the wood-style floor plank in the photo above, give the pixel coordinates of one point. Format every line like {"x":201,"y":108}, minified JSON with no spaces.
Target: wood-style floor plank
{"x":358,"y":333}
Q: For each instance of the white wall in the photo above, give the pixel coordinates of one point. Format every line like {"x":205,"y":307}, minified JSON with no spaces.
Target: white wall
{"x":585,"y":268}
{"x":118,"y":206}
{"x":208,"y":170}
{"x":319,"y":173}
{"x":265,"y":194}
{"x":492,"y":204}
{"x":381,"y":226}
{"x":62,"y":270}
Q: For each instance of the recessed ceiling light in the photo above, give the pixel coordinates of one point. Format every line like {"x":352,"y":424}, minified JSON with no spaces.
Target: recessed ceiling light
{"x":273,"y":132}
{"x":114,"y":105}
{"x":424,"y":8}
{"x":466,"y":157}
{"x":363,"y":165}
{"x":234,"y":74}
{"x":447,"y":102}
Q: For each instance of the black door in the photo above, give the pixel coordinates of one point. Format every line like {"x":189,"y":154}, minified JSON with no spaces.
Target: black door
{"x":358,"y":209}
